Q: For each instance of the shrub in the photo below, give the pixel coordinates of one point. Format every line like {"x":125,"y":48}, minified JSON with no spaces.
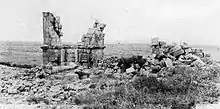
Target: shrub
{"x":183,"y":84}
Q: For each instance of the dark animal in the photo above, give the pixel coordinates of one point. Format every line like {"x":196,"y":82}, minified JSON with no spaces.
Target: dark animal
{"x":125,"y":63}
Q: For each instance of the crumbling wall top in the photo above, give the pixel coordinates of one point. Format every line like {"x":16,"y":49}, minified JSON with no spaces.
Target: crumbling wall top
{"x":95,"y":36}
{"x":51,"y":29}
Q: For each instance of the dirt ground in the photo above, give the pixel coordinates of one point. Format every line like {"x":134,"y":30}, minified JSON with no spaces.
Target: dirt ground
{"x":18,"y":102}
{"x":209,"y":106}
{"x":34,"y":56}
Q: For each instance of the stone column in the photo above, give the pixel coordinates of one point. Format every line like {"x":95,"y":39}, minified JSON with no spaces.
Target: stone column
{"x":52,"y":41}
{"x":63,"y":56}
{"x":76,"y":55}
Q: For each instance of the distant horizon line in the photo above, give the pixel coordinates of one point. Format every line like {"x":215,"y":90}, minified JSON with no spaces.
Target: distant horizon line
{"x":107,"y":43}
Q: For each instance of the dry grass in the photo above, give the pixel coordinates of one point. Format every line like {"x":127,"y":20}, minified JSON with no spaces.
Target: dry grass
{"x":181,"y":83}
{"x":184,"y":85}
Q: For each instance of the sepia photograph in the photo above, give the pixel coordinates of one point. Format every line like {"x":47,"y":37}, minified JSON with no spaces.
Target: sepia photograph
{"x":110,"y":54}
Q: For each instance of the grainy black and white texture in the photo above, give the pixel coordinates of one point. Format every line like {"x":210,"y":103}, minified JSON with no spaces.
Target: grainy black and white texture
{"x":109,"y":54}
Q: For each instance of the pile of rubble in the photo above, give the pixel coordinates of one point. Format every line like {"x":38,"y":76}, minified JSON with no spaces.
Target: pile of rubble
{"x":170,"y":55}
{"x":164,"y":56}
{"x":43,"y":85}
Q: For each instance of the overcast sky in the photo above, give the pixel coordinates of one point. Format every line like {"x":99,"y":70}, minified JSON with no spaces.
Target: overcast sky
{"x":128,"y":21}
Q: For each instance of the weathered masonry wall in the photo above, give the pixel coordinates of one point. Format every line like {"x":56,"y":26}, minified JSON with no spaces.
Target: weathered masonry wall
{"x":51,"y":55}
{"x":51,"y":29}
{"x":68,"y":54}
{"x":89,"y":51}
{"x":52,"y":42}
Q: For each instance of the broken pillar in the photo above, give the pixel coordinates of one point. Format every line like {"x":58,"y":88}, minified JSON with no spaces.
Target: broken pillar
{"x":51,"y":39}
{"x":99,"y":41}
{"x":92,"y":49}
{"x":51,"y":29}
{"x":63,"y":56}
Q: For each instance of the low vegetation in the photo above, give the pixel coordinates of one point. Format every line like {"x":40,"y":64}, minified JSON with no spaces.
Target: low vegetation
{"x":180,"y":84}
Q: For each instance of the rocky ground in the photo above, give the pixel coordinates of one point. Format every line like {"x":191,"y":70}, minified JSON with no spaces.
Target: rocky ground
{"x":35,"y":88}
{"x":157,"y":86}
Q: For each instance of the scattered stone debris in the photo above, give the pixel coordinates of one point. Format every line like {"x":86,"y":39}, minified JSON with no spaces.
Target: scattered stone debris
{"x":53,"y":83}
{"x":170,"y":55}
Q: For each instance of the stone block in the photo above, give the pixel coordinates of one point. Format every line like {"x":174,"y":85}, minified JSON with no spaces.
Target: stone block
{"x":87,"y":71}
{"x":109,"y":71}
{"x":168,"y":62}
{"x":117,"y":75}
{"x":146,"y":73}
{"x":91,"y":31}
{"x":175,"y":48}
{"x":154,"y":40}
{"x":12,"y":90}
{"x":86,"y":81}
{"x":71,"y":77}
{"x":98,"y":72}
{"x":178,"y":52}
{"x":70,"y":51}
{"x":198,"y":63}
{"x":130,"y":70}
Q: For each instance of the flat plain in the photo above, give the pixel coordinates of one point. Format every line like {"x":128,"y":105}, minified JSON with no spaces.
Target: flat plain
{"x":31,"y":53}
